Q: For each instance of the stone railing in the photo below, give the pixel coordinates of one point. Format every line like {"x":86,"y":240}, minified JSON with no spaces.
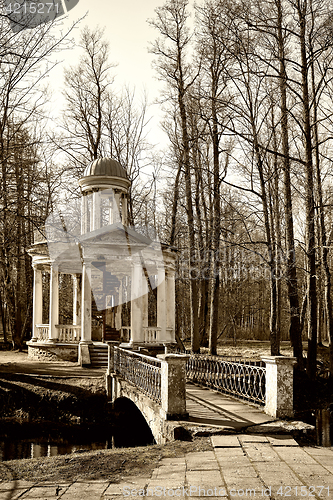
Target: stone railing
{"x":125,"y":333}
{"x":69,"y":333}
{"x":152,"y":333}
{"x":42,"y":332}
{"x":66,"y":333}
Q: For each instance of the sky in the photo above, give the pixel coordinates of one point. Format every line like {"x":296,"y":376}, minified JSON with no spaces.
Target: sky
{"x":128,"y":34}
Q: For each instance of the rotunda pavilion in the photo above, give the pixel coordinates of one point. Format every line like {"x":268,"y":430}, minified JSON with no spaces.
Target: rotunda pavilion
{"x":115,"y":270}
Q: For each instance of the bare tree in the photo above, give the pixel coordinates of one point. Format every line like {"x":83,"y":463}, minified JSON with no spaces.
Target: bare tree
{"x":172,"y":67}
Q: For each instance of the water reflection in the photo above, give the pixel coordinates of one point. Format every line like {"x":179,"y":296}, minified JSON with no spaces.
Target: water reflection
{"x":13,"y":450}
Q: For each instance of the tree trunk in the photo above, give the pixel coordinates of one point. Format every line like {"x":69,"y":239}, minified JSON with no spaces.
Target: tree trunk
{"x":309,"y":203}
{"x":291,"y":278}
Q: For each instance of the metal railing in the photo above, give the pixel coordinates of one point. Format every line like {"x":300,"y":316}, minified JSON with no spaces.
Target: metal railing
{"x":243,"y":379}
{"x":142,"y":371}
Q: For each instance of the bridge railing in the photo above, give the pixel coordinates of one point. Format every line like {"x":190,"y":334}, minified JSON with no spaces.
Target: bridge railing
{"x":268,"y":382}
{"x":243,"y":379}
{"x":142,"y":371}
{"x":162,"y":379}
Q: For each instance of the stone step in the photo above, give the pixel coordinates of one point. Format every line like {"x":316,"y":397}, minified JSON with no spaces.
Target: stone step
{"x":98,"y":356}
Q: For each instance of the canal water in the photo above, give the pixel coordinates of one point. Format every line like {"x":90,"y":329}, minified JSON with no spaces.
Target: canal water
{"x":34,"y":449}
{"x":47,"y":439}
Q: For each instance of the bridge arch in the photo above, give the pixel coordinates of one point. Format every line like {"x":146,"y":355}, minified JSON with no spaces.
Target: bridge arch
{"x":155,"y":385}
{"x":150,"y":411}
{"x":132,"y":426}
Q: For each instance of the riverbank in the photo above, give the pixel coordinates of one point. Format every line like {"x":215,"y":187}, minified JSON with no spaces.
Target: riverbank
{"x":114,"y":465}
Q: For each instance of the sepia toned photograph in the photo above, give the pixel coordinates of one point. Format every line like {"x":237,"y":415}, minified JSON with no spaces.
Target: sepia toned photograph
{"x":166,"y":249}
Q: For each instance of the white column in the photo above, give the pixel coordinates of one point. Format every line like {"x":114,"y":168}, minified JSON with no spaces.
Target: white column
{"x":136,"y":304}
{"x":37,"y":311}
{"x":76,"y":299}
{"x":84,"y":214}
{"x":117,"y":320}
{"x":54,"y":303}
{"x":161,"y":303}
{"x":170,"y":305}
{"x":86,"y":305}
{"x":145,"y":290}
{"x":96,"y":210}
{"x":124,"y":210}
{"x":111,"y":205}
{"x":116,"y":208}
{"x":91,"y":211}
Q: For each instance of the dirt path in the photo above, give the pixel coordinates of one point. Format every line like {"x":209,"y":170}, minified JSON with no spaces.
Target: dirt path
{"x":18,"y":362}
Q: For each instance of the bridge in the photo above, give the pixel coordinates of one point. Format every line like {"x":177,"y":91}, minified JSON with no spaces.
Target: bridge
{"x":159,"y":388}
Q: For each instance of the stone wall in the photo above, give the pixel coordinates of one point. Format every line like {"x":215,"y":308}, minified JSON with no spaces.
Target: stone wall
{"x":52,"y":352}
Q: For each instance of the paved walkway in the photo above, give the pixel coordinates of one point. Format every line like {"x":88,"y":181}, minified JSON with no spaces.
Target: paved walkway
{"x":239,"y":466}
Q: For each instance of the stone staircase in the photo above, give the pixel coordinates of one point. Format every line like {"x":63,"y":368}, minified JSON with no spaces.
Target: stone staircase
{"x":111,"y":334}
{"x":98,"y":355}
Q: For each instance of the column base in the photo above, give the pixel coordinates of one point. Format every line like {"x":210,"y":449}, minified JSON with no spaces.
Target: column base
{"x":85,"y":342}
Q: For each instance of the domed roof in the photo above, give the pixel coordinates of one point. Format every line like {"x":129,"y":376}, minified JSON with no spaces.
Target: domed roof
{"x":105,"y":167}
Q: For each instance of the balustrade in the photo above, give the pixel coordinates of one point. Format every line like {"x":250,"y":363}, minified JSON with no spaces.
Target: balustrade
{"x":42,"y":332}
{"x":125,"y":333}
{"x":69,"y":333}
{"x":66,"y":333}
{"x":152,"y":334}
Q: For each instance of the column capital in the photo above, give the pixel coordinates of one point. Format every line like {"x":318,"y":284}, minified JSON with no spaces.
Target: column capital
{"x":279,"y":360}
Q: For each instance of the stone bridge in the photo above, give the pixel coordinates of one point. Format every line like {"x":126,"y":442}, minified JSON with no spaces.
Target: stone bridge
{"x":157,"y":386}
